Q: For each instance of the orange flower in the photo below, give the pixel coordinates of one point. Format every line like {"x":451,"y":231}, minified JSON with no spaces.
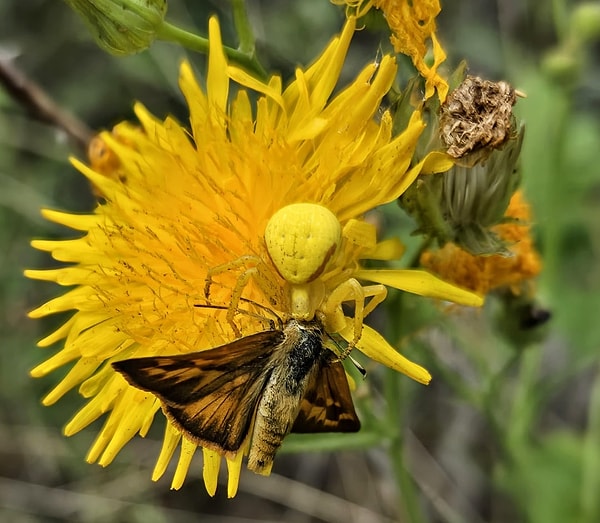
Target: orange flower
{"x":413,"y":25}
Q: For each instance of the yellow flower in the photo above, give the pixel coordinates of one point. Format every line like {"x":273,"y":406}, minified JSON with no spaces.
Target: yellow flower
{"x":186,"y":215}
{"x":412,"y":24}
{"x":483,"y":274}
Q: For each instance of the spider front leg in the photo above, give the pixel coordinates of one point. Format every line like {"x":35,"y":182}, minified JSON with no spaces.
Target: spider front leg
{"x":352,"y":290}
{"x":242,"y":261}
{"x":240,"y":284}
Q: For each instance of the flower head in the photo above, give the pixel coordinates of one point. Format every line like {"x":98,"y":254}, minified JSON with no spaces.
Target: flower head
{"x":477,"y":127}
{"x":204,"y":219}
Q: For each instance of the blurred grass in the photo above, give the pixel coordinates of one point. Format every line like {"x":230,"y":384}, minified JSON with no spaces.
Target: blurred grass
{"x":499,"y":436}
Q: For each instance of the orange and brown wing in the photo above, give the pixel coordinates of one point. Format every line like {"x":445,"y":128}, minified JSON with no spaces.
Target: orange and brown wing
{"x":211,"y":395}
{"x":327,"y":405}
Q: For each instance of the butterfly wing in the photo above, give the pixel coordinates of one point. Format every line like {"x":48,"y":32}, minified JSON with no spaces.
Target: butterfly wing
{"x":210,"y":395}
{"x":327,"y":405}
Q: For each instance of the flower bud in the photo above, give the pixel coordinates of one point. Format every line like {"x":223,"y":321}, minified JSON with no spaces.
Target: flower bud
{"x":585,"y":21}
{"x":122,"y":27}
{"x":563,"y":65}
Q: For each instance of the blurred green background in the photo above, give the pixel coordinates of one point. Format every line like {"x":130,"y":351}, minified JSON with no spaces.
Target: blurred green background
{"x":504,"y":433}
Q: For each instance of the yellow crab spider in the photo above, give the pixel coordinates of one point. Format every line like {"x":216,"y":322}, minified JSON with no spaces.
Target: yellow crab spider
{"x":351,"y":290}
{"x":301,"y":240}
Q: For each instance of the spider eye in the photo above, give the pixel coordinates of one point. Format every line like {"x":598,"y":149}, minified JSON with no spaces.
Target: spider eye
{"x":301,"y":239}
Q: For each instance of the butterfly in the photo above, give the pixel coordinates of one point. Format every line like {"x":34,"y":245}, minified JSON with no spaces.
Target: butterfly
{"x":267,"y":384}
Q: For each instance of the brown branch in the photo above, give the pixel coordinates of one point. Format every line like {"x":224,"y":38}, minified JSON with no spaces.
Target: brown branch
{"x":31,"y":96}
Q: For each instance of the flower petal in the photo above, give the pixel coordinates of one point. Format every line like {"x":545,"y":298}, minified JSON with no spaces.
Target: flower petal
{"x":217,"y":82}
{"x":391,"y":249}
{"x":210,"y":470}
{"x":374,"y":345}
{"x":170,"y":441}
{"x":422,"y":283}
{"x":234,"y":468}
{"x":185,"y":459}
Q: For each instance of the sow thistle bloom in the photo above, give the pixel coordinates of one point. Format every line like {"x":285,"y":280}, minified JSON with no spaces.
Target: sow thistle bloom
{"x":180,"y":234}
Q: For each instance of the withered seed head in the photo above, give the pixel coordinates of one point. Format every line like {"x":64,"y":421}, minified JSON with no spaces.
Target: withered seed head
{"x":477,"y":115}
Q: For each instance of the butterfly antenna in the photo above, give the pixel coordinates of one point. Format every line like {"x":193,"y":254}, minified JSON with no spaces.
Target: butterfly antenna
{"x":266,"y":310}
{"x":359,"y":367}
{"x":378,"y":56}
{"x":345,"y":353}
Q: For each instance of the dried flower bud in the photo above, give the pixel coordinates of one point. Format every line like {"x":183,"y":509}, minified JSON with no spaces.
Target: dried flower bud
{"x":122,"y":27}
{"x":477,"y":115}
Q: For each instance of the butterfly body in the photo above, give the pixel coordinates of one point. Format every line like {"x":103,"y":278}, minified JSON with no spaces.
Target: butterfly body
{"x":261,"y":386}
{"x":301,"y":359}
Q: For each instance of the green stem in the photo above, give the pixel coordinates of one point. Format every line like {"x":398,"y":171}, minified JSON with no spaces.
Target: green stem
{"x":243,"y":27}
{"x":490,"y":405}
{"x":407,"y":493}
{"x":525,"y":399}
{"x":590,"y":505}
{"x":171,"y":33}
{"x":560,"y":16}
{"x":555,"y":188}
